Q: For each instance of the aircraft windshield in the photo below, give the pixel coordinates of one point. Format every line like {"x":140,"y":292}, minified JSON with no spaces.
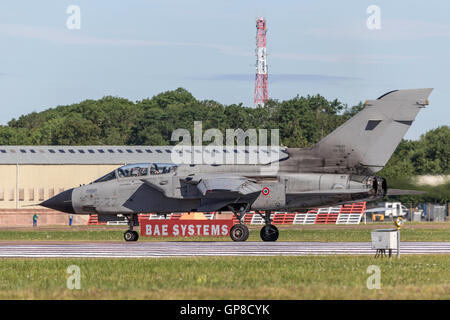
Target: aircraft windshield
{"x":133,"y":170}
{"x":106,"y":177}
{"x":161,"y":168}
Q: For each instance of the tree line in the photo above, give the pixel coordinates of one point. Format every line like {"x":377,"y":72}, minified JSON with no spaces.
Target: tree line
{"x":116,"y":121}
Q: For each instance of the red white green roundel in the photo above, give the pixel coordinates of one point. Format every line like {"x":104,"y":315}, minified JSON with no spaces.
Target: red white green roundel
{"x":265,"y":191}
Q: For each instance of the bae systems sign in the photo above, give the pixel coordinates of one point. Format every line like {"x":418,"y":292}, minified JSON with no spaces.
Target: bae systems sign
{"x":185,"y":228}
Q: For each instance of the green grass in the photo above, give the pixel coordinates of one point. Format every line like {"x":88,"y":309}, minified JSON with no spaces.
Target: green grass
{"x":306,"y":277}
{"x":286,"y":234}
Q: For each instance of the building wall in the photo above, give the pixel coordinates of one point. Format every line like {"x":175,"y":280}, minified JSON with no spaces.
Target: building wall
{"x":24,"y":186}
{"x":46,"y":217}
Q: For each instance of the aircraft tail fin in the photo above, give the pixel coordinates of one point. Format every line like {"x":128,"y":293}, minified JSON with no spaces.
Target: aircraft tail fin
{"x":370,"y":138}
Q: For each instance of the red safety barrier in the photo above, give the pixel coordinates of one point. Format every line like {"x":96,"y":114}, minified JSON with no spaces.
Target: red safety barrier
{"x":247,"y":218}
{"x":321,"y":218}
{"x":169,"y":216}
{"x":326,"y":218}
{"x":357,"y":207}
{"x":93,"y":220}
{"x":283,"y":218}
{"x":143,"y":216}
{"x":332,"y":218}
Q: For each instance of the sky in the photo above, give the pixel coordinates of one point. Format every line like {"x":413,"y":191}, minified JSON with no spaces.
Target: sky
{"x":136,"y":49}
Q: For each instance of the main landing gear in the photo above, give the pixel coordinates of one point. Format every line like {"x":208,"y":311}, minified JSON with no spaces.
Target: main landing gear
{"x":130,"y":234}
{"x":240,"y":232}
{"x":269,"y":232}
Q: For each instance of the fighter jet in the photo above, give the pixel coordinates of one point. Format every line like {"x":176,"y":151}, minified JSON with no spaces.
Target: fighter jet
{"x":339,"y":169}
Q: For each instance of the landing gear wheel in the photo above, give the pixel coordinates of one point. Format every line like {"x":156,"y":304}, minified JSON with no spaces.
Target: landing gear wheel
{"x":130,"y":235}
{"x":269,"y":233}
{"x":239,"y":232}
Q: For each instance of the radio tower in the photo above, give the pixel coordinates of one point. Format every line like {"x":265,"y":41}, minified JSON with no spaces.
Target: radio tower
{"x":261,"y":93}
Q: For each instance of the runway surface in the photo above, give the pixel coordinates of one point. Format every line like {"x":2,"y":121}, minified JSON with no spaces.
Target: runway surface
{"x":189,"y":249}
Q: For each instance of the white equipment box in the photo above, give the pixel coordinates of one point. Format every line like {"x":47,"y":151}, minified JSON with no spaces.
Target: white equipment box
{"x":385,"y":239}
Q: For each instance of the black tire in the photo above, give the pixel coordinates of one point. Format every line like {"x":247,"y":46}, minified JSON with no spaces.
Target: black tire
{"x":239,"y":232}
{"x":269,"y":233}
{"x":247,"y":232}
{"x":136,"y":236}
{"x":129,"y":235}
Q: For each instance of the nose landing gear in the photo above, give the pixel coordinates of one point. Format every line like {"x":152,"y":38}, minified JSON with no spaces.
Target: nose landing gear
{"x":130,"y":234}
{"x":239,"y":232}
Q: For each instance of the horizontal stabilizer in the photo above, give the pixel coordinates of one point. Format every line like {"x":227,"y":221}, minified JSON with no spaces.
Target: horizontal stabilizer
{"x":401,"y":192}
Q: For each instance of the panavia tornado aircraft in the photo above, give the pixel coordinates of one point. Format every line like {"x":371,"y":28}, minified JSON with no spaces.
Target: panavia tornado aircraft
{"x":338,"y":169}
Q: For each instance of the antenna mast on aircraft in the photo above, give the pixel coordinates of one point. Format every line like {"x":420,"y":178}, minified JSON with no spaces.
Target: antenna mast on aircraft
{"x":261,"y":93}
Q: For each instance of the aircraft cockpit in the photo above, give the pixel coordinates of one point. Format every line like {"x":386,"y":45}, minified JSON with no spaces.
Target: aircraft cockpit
{"x":139,"y":170}
{"x":133,"y":170}
{"x":162,"y":168}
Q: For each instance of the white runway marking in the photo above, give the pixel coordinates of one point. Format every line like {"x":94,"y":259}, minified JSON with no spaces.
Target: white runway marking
{"x":189,"y":249}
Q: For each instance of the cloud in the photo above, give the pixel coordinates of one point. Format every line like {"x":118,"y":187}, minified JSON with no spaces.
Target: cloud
{"x":391,"y":29}
{"x":76,"y":37}
{"x":351,"y":58}
{"x":310,"y":78}
{"x":318,"y":78}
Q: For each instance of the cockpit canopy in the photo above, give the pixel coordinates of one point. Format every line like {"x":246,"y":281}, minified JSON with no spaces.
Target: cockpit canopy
{"x":161,"y":168}
{"x":133,"y":170}
{"x":138,"y":170}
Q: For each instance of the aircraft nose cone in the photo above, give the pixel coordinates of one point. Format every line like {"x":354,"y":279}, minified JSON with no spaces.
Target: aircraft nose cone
{"x":61,"y":202}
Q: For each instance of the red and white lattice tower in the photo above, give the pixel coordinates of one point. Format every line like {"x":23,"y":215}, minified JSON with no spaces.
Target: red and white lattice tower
{"x":261,"y":93}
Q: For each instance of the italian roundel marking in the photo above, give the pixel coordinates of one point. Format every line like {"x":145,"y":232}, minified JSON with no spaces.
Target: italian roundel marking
{"x":265,"y":191}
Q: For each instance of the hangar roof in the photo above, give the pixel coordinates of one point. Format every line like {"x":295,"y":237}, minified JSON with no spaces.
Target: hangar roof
{"x":101,"y":154}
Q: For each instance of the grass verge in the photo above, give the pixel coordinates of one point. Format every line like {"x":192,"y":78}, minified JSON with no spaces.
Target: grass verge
{"x":304,"y":277}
